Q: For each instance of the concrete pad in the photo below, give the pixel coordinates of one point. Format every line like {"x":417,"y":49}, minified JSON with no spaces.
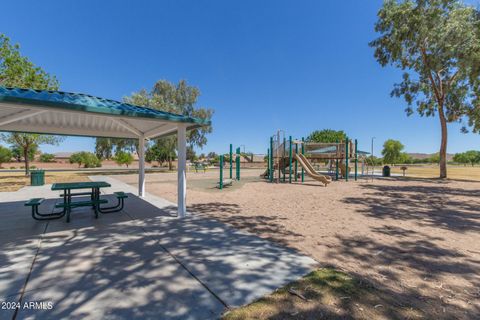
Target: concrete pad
{"x":118,"y":268}
{"x":20,"y":236}
{"x":11,"y":304}
{"x":116,"y":272}
{"x":149,"y":204}
{"x":238,"y":267}
{"x":17,"y":220}
{"x":16,"y":259}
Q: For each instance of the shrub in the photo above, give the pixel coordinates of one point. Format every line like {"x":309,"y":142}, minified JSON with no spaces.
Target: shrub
{"x":47,"y":157}
{"x":123,"y":158}
{"x":87,"y":159}
{"x":5,"y":155}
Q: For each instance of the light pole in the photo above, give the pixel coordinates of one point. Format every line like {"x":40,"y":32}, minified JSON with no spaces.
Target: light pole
{"x":373,"y":160}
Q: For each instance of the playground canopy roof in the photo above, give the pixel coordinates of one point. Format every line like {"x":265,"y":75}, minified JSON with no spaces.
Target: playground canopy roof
{"x":331,"y":149}
{"x":57,"y":112}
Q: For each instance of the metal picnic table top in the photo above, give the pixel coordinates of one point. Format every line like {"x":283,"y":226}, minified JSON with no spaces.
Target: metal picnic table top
{"x":80,"y":185}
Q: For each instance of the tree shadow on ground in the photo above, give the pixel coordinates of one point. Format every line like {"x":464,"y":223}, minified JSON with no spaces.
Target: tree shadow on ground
{"x":436,"y":205}
{"x":409,"y":274}
{"x":267,"y":227}
{"x":447,"y":280}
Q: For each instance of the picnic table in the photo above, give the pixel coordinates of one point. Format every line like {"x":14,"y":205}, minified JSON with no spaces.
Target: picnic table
{"x":93,"y":200}
{"x":67,"y":195}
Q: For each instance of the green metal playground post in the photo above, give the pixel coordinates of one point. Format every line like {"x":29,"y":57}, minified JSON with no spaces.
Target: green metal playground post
{"x":290,"y":160}
{"x":220,"y":184}
{"x":303,"y":153}
{"x":336,"y":164}
{"x":356,"y":159}
{"x":238,"y":164}
{"x":346,"y":159}
{"x":271,"y":159}
{"x":231,"y":161}
{"x":296,"y":162}
{"x":283,"y":156}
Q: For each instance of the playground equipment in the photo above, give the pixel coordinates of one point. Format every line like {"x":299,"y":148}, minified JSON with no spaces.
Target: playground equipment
{"x":284,"y":156}
{"x":229,"y":181}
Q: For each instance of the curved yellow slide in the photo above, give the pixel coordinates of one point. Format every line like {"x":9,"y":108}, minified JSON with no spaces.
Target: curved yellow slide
{"x":343,"y":170}
{"x":307,"y":166}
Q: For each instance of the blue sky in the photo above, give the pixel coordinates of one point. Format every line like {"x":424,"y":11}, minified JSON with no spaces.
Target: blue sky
{"x":262,"y":65}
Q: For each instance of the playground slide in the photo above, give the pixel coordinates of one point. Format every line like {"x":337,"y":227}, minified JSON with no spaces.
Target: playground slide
{"x":265,"y":174}
{"x":343,"y":170}
{"x":303,"y":161}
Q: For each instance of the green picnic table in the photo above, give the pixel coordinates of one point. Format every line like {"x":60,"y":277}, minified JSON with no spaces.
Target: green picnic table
{"x":94,"y":193}
{"x":68,"y":204}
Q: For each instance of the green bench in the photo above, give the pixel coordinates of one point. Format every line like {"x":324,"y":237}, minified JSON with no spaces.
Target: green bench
{"x":35,"y":203}
{"x":68,"y":206}
{"x":121,"y":196}
{"x":200,"y":167}
{"x":85,"y":203}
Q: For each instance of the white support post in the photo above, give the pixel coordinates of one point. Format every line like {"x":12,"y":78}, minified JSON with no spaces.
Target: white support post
{"x":141,"y":166}
{"x":182,"y":164}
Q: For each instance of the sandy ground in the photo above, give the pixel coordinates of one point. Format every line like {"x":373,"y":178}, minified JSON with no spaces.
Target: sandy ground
{"x":65,"y":164}
{"x":415,"y":240}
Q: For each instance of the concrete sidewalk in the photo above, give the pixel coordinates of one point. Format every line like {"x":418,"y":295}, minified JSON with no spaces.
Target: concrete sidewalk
{"x":141,"y":263}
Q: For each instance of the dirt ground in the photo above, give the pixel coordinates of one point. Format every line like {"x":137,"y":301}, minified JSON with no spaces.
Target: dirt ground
{"x":13,"y":181}
{"x":415,"y":240}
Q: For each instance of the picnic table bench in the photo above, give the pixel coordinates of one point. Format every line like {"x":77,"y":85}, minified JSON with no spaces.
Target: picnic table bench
{"x":200,"y":167}
{"x":67,"y":205}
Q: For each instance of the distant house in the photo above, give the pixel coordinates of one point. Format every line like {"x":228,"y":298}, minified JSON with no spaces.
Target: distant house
{"x":63,"y":157}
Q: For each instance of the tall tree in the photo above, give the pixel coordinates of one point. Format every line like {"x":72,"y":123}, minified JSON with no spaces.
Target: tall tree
{"x":437,"y":45}
{"x":178,"y":98}
{"x":175,"y":98}
{"x":28,"y":141}
{"x":17,"y":71}
{"x":17,"y":152}
{"x":460,"y":158}
{"x":473,"y":157}
{"x":191,"y":154}
{"x":392,"y":151}
{"x":327,"y":136}
{"x":106,"y":147}
{"x":163,"y":150}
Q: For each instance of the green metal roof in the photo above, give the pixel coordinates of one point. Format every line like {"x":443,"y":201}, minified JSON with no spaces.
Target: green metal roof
{"x":91,"y":104}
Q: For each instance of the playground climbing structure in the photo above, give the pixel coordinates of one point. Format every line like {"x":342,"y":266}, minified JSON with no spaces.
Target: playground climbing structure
{"x":287,"y":156}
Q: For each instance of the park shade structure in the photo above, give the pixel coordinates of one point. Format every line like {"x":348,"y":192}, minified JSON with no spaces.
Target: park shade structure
{"x":75,"y":114}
